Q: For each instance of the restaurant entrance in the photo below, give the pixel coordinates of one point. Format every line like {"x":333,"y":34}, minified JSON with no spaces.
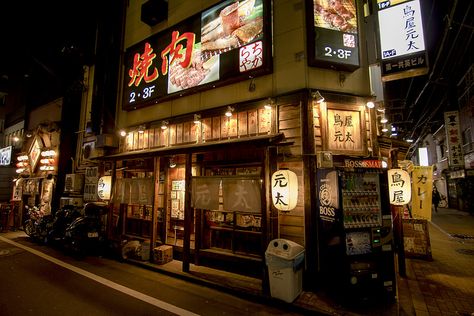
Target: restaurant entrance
{"x":209,"y":206}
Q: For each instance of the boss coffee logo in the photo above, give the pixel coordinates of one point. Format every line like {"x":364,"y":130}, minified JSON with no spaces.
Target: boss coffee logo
{"x":327,"y":211}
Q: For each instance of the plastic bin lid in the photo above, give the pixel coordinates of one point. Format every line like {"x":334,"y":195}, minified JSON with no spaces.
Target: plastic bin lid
{"x":284,"y":248}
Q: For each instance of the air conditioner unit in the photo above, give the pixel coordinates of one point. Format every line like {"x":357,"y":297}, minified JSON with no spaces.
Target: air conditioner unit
{"x":75,"y":201}
{"x":105,"y":140}
{"x":90,"y":151}
{"x":74,"y":183}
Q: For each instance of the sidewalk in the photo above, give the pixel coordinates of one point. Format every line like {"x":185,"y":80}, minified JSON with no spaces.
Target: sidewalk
{"x":443,"y":286}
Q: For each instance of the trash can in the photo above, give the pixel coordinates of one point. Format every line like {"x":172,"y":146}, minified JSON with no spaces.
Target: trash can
{"x":285,"y":260}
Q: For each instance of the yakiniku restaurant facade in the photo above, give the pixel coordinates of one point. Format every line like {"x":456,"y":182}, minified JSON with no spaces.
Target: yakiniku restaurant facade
{"x":221,"y":95}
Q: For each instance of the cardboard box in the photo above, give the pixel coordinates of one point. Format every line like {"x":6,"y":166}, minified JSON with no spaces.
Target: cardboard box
{"x":163,"y":254}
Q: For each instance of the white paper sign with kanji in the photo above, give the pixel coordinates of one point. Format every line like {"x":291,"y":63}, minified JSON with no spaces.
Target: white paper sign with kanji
{"x":399,"y":187}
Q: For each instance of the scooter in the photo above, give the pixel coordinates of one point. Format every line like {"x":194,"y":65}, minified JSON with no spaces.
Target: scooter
{"x":38,"y":224}
{"x":86,"y":234}
{"x":62,"y":219}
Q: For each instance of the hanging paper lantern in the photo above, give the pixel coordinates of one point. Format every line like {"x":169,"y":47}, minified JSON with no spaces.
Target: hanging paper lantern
{"x":104,"y":187}
{"x":284,"y":190}
{"x":399,"y":187}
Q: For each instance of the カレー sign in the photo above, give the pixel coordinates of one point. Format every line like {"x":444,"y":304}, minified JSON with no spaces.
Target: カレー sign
{"x":422,"y":188}
{"x":227,"y":42}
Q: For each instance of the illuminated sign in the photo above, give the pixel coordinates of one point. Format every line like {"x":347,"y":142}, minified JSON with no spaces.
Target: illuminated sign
{"x":228,"y":42}
{"x":284,"y":190}
{"x":402,"y":43}
{"x":401,"y":30}
{"x":422,"y":188}
{"x":383,"y":4}
{"x":333,"y":40}
{"x":365,"y":163}
{"x":399,"y":186}
{"x":104,"y":187}
{"x":5,"y":156}
{"x":344,"y":128}
{"x":328,"y":195}
{"x":34,"y":153}
{"x":454,"y":139}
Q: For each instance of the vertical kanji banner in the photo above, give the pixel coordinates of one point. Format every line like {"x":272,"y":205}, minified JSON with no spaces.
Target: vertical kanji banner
{"x":454,"y":139}
{"x":422,"y":182}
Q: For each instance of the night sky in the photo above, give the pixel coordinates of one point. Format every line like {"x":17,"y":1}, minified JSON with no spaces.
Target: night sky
{"x":44,"y":42}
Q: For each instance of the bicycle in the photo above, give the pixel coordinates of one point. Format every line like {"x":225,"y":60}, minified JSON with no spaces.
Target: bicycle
{"x":443,"y":202}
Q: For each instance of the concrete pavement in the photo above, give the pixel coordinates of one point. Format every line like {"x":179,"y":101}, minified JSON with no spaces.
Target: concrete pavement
{"x":441,"y":286}
{"x":445,"y":286}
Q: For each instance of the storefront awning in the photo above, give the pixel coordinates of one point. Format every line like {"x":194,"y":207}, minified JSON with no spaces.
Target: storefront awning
{"x":257,"y":141}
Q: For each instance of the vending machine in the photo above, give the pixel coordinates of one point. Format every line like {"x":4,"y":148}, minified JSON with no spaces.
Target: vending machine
{"x":355,"y":232}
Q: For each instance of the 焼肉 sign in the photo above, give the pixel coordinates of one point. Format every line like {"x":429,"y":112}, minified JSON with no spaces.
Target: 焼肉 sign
{"x":228,"y":42}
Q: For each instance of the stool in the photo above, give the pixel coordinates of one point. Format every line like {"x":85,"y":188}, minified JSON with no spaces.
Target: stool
{"x":176,"y":228}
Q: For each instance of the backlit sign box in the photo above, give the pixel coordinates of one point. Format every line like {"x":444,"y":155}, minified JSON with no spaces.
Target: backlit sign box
{"x":5,"y":156}
{"x":402,"y":43}
{"x":228,"y":42}
{"x":333,"y":40}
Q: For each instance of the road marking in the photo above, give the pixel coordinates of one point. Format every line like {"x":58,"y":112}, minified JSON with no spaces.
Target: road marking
{"x":138,"y":295}
{"x":441,"y":230}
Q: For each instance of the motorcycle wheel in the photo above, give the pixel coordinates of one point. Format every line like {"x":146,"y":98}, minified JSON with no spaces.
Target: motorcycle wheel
{"x":29,"y":228}
{"x":77,"y":249}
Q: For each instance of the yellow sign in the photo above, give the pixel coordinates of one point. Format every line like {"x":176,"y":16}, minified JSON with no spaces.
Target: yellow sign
{"x":422,"y":183}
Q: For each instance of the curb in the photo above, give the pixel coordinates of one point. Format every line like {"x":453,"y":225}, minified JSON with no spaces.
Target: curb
{"x":260,"y":298}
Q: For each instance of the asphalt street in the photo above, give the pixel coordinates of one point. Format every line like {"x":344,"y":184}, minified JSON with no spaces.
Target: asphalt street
{"x":39,"y":280}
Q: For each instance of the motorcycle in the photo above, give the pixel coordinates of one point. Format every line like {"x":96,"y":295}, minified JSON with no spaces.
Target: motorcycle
{"x":38,"y":224}
{"x":62,"y":219}
{"x":86,"y":234}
